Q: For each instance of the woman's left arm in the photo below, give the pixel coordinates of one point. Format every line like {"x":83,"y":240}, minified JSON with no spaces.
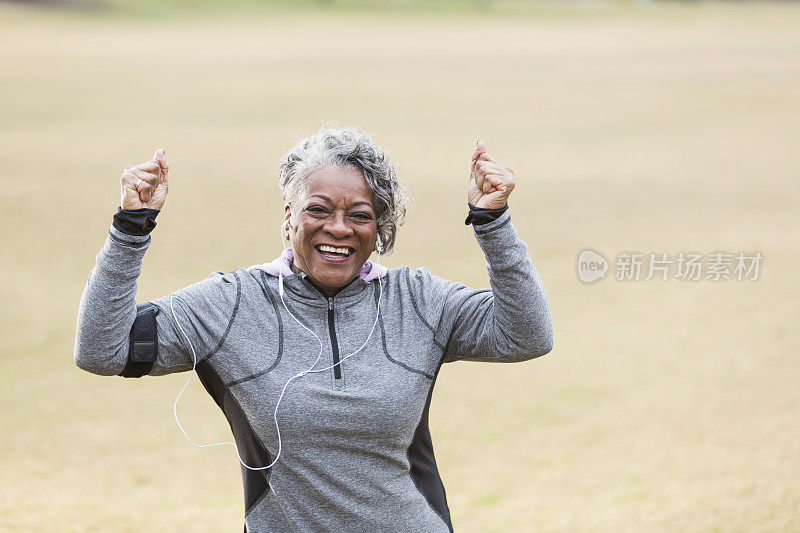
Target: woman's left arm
{"x":511,"y":322}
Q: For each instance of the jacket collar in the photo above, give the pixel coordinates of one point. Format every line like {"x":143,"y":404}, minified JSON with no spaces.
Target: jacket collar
{"x":301,"y":287}
{"x":283,"y":265}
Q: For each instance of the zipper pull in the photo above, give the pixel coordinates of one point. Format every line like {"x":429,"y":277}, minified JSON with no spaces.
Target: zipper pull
{"x":330,"y":304}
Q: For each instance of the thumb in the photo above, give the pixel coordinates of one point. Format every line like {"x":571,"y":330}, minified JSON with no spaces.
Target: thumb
{"x":161,"y":157}
{"x":130,"y":197}
{"x":480,"y":148}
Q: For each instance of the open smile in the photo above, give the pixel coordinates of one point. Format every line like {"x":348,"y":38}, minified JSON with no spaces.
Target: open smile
{"x":337,"y":254}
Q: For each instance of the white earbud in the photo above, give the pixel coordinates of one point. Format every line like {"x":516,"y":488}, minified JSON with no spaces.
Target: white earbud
{"x":284,"y":226}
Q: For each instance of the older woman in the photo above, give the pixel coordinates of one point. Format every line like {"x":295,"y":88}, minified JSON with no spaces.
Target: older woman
{"x":322,"y":361}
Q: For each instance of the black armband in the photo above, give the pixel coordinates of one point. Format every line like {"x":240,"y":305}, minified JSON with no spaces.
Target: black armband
{"x":135,"y":221}
{"x":143,"y":350}
{"x":481,"y":215}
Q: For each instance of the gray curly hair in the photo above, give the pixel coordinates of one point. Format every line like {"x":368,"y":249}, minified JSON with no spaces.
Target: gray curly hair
{"x":350,"y":148}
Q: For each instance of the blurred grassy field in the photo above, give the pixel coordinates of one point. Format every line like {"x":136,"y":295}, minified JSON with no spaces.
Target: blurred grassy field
{"x":665,"y":406}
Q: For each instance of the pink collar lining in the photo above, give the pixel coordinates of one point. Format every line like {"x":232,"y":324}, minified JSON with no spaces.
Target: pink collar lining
{"x":283,"y":266}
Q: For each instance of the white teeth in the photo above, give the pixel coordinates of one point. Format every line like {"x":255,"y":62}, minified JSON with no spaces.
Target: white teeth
{"x":326,"y":248}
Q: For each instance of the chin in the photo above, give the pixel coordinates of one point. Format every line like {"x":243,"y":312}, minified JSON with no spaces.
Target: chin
{"x":334,"y":281}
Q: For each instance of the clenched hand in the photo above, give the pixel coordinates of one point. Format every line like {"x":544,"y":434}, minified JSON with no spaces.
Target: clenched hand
{"x":490,"y":183}
{"x":145,"y":185}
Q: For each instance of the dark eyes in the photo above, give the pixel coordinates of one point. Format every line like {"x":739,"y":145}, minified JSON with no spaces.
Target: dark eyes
{"x":319,"y":212}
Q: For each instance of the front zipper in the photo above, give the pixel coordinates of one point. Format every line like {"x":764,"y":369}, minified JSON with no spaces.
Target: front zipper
{"x":337,"y":370}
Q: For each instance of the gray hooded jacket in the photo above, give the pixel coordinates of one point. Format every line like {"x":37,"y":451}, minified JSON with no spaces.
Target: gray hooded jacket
{"x":356,"y":450}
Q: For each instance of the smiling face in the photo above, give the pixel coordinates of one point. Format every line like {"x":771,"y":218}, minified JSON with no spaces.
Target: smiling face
{"x":332,"y":227}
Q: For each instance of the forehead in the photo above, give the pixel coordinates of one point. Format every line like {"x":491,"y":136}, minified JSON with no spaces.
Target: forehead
{"x":344,"y":185}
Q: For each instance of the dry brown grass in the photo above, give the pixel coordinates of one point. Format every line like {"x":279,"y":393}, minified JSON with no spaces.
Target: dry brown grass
{"x":665,"y":405}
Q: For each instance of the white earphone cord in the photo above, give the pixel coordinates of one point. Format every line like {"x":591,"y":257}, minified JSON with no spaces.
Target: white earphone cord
{"x":283,"y":391}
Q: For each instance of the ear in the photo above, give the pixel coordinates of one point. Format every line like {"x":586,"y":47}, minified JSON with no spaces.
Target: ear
{"x":287,"y":214}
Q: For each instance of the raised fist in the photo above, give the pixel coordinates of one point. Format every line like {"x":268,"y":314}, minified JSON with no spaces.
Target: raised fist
{"x":145,"y":185}
{"x":490,"y":183}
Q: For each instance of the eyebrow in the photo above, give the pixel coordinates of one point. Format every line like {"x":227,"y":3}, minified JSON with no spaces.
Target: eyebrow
{"x":329,"y":200}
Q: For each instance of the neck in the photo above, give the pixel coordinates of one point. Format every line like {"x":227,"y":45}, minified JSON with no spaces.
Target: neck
{"x":327,"y":292}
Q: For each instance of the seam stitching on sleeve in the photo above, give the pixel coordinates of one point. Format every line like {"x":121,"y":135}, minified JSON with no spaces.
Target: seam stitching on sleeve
{"x":260,"y":373}
{"x":466,"y":357}
{"x":233,"y":316}
{"x":395,"y":361}
{"x":386,"y":349}
{"x":419,"y":314}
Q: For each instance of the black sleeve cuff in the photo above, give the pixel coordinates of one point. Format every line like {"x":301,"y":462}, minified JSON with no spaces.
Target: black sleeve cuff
{"x":135,"y":221}
{"x":480,"y":215}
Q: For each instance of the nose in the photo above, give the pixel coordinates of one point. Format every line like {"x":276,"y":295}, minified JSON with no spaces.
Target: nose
{"x":338,"y":226}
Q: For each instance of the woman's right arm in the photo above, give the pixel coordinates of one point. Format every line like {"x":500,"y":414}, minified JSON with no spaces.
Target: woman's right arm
{"x":108,"y":305}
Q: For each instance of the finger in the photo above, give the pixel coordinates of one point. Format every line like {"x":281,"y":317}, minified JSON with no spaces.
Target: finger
{"x":161,"y":158}
{"x":488,"y":184}
{"x":150,"y":166}
{"x":497,"y":170}
{"x":479,"y":176}
{"x":493,"y":183}
{"x":480,"y":147}
{"x":486,"y":169}
{"x":139,"y":185}
{"x":128,"y":181}
{"x":499,"y":182}
{"x":479,"y":181}
{"x":489,"y":166}
{"x":483,"y":168}
{"x":130,"y":194}
{"x":129,"y":178}
{"x":486,"y":157}
{"x":491,"y":173}
{"x":152,"y":179}
{"x":145,"y":191}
